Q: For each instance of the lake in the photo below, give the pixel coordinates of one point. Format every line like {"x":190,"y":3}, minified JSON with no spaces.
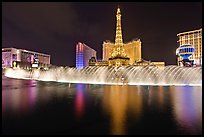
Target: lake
{"x":36,"y":107}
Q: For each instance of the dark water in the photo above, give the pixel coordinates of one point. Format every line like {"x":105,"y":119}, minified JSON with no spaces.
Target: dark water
{"x":31,"y":107}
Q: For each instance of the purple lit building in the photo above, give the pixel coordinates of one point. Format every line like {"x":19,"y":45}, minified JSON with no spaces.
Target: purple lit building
{"x":13,"y":57}
{"x":83,"y":54}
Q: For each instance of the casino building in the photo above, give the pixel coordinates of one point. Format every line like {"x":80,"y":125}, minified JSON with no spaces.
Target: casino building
{"x":193,"y":38}
{"x":21,"y":58}
{"x":119,"y":53}
{"x":83,"y":54}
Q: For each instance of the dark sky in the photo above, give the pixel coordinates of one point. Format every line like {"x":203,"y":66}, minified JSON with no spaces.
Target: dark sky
{"x":55,"y":27}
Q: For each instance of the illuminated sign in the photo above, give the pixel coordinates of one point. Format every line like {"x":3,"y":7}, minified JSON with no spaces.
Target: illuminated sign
{"x":34,"y":65}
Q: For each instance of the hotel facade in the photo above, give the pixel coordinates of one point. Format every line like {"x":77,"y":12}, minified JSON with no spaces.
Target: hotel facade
{"x":132,"y":49}
{"x":83,"y":54}
{"x":13,"y":57}
{"x":119,"y":53}
{"x":194,"y":38}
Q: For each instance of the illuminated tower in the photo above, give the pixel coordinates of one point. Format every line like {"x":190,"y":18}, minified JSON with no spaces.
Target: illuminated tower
{"x":118,"y":48}
{"x":118,"y":36}
{"x":118,"y":55}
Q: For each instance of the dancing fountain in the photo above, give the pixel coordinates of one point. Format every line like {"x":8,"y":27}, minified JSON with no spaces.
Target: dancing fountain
{"x":130,"y":75}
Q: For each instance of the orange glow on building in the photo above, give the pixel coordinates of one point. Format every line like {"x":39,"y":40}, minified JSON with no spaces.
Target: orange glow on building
{"x":131,"y":50}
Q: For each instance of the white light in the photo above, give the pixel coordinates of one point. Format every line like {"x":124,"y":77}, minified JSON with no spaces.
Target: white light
{"x":34,"y":65}
{"x":177,"y":51}
{"x":73,"y":78}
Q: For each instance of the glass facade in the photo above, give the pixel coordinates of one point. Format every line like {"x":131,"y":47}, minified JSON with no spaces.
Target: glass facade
{"x":83,"y":54}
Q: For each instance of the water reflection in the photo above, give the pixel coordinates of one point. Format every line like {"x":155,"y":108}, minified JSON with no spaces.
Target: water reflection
{"x":160,"y":96}
{"x":117,"y":102}
{"x":157,"y":97}
{"x":79,"y":101}
{"x":19,"y":98}
{"x":119,"y":109}
{"x":187,"y":108}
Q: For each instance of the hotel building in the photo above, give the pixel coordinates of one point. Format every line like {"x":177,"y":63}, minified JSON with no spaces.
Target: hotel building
{"x":194,"y":38}
{"x":132,"y":49}
{"x":119,"y":53}
{"x":83,"y":54}
{"x":13,"y":57}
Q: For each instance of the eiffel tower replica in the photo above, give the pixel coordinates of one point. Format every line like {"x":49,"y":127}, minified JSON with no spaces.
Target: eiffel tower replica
{"x":118,"y":55}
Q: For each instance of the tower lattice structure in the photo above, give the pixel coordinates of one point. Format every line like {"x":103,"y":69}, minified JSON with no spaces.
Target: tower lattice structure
{"x":118,"y":50}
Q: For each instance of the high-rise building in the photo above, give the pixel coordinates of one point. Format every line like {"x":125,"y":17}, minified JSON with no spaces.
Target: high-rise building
{"x":194,"y":38}
{"x":13,"y":57}
{"x":125,"y":53}
{"x":83,"y":54}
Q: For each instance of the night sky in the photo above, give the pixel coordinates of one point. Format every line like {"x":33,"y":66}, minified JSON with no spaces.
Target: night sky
{"x":55,"y":28}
